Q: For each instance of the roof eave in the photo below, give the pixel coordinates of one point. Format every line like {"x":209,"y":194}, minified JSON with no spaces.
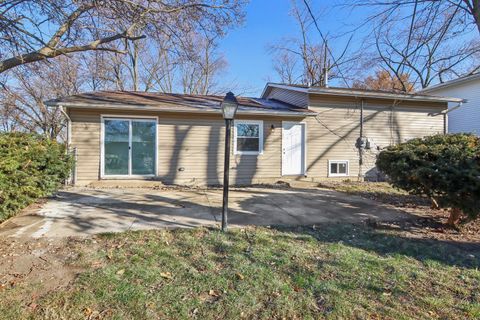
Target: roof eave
{"x":282,"y":86}
{"x":173,"y":110}
{"x":451,"y":83}
{"x":384,"y":96}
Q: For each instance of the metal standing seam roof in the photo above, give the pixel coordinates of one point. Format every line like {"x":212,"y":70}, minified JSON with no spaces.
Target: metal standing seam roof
{"x":170,"y":102}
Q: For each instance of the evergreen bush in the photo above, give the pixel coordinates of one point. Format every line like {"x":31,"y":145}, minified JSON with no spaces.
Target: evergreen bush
{"x":31,"y":167}
{"x":445,"y":168}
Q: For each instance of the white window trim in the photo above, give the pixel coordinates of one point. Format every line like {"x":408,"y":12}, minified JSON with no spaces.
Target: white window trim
{"x":260,"y":137}
{"x":330,"y":174}
{"x":102,"y":145}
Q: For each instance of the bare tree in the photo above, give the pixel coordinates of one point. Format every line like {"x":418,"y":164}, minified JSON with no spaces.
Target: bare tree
{"x":285,"y":64}
{"x":160,"y":66}
{"x":466,"y":10}
{"x":200,"y":64}
{"x":303,"y":60}
{"x":23,"y":100}
{"x":97,"y":25}
{"x":424,"y":41}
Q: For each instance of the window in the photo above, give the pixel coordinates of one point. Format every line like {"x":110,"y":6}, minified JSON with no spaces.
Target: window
{"x":129,"y":146}
{"x":248,"y":137}
{"x":338,"y":168}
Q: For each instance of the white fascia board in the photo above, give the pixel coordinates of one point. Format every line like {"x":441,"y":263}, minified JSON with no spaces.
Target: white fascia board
{"x":450,"y":83}
{"x":379,"y":95}
{"x":282,"y":86}
{"x":156,"y":109}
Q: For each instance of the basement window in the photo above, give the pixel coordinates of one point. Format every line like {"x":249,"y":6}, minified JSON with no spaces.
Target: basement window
{"x":248,"y":137}
{"x":338,"y":168}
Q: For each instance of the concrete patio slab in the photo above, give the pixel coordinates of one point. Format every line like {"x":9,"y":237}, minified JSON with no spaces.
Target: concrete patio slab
{"x":87,"y":211}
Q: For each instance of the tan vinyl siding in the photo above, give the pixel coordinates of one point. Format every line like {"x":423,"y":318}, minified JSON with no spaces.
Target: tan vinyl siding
{"x":190,"y":149}
{"x":197,"y":147}
{"x":86,"y":138}
{"x":295,"y":98}
{"x":333,"y":133}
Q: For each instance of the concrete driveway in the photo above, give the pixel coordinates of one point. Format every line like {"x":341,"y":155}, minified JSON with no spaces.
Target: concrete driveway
{"x":83,"y":212}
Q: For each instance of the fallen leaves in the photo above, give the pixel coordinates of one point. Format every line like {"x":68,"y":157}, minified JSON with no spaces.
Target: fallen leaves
{"x":87,"y":312}
{"x":120,"y":272}
{"x":166,"y":275}
{"x":240,"y":276}
{"x":214,"y":293}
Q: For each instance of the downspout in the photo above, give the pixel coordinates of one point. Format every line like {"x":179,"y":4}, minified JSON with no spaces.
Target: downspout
{"x":445,"y":123}
{"x":69,"y":126}
{"x":69,"y":143}
{"x":361,"y":118}
{"x":360,"y":144}
{"x":445,"y":116}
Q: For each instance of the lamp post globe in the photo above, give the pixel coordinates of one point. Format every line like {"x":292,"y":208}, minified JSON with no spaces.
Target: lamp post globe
{"x":229,"y":106}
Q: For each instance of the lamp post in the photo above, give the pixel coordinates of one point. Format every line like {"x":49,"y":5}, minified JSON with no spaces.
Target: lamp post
{"x":229,"y":108}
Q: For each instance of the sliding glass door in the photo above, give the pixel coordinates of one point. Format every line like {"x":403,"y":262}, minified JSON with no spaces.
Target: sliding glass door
{"x":129,"y":147}
{"x":143,"y":147}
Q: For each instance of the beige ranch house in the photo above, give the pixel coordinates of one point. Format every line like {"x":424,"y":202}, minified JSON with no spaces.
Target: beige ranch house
{"x":290,"y":132}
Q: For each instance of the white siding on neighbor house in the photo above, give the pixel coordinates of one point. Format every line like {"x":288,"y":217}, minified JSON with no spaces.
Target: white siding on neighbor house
{"x":295,"y":98}
{"x":467,"y":117}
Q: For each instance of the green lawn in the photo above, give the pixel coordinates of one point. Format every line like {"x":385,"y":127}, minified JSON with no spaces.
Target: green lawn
{"x":335,"y":271}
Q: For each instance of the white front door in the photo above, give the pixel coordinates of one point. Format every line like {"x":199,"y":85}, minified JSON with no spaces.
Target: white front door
{"x":293,"y":148}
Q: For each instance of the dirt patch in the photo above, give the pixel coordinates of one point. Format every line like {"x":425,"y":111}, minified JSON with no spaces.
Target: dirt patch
{"x":429,"y":222}
{"x":40,"y":265}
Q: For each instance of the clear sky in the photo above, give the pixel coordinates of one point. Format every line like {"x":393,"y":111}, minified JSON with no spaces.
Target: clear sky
{"x":268,"y":22}
{"x":246,"y":47}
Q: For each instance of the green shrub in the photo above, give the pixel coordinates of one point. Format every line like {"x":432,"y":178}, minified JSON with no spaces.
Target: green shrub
{"x":443,"y":167}
{"x":30,"y":167}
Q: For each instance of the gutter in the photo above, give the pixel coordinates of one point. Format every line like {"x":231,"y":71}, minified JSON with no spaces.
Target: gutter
{"x":69,"y":143}
{"x":359,"y":94}
{"x":445,"y":115}
{"x":118,"y":107}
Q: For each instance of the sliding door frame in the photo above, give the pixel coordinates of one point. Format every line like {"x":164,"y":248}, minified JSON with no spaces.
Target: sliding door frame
{"x":128,"y":118}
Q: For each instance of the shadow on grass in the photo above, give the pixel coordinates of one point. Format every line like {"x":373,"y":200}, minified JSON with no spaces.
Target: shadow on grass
{"x":387,"y":243}
{"x":379,"y":191}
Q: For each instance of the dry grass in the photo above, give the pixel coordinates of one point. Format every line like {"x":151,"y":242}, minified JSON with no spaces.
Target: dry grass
{"x":330,"y":271}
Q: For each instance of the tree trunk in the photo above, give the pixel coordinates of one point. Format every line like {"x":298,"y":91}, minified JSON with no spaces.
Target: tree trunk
{"x":454,"y":217}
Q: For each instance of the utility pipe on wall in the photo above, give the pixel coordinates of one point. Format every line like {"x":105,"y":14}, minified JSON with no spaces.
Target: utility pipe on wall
{"x":73,"y":178}
{"x":360,"y":145}
{"x":69,"y":126}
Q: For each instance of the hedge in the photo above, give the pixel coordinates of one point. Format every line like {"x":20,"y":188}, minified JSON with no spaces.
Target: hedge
{"x":31,"y":167}
{"x":443,"y":167}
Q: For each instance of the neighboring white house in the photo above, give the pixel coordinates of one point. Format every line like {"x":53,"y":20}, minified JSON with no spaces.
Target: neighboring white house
{"x":467,"y":117}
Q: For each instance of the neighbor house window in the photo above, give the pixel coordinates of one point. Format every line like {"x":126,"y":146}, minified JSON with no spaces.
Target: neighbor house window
{"x":338,"y":168}
{"x":248,"y":137}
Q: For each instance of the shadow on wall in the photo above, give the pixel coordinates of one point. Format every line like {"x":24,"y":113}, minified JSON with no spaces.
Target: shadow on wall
{"x":340,"y":137}
{"x":213,"y":155}
{"x":247,"y":166}
{"x":194,"y":151}
{"x":173,"y":164}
